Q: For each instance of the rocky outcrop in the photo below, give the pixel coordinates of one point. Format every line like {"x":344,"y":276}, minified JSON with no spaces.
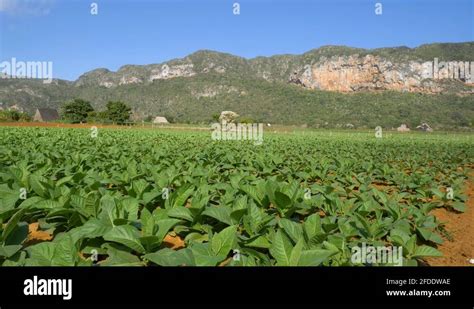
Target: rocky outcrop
{"x":331,"y":68}
{"x":170,"y":71}
{"x":367,"y":73}
{"x":228,"y":116}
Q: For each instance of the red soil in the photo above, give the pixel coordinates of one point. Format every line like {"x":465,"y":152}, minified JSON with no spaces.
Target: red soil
{"x":460,"y":249}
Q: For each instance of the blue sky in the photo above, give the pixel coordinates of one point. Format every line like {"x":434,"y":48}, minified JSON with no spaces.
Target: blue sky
{"x":147,"y":31}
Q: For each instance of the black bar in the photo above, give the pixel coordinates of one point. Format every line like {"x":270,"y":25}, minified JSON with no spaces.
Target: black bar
{"x":239,"y":285}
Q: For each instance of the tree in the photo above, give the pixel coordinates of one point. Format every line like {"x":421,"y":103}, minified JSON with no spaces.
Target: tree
{"x":215,"y":117}
{"x":118,"y":112}
{"x":13,"y":115}
{"x":77,"y":110}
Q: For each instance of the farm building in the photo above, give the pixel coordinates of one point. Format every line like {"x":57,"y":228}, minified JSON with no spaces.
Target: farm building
{"x":45,"y":115}
{"x":160,"y":120}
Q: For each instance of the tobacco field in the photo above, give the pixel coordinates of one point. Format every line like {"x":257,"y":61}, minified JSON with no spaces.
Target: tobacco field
{"x":137,"y":197}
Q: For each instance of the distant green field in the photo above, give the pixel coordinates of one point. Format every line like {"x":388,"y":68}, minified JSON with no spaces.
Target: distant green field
{"x":306,"y":198}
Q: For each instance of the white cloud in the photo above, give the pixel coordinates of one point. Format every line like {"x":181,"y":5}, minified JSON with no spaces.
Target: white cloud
{"x":26,"y":7}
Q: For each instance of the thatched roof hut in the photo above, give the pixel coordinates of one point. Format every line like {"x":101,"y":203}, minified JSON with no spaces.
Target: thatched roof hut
{"x":46,"y":114}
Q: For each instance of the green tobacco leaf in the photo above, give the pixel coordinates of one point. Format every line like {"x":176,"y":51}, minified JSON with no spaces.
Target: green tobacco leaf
{"x":296,"y":253}
{"x":8,"y":251}
{"x":41,"y":254}
{"x":108,"y":210}
{"x":130,"y":206}
{"x":65,"y":253}
{"x":139,"y":187}
{"x":459,"y":206}
{"x":203,"y":255}
{"x":169,"y":257}
{"x":60,"y":252}
{"x":437,"y":192}
{"x":91,"y":229}
{"x":150,"y":243}
{"x":17,"y":259}
{"x":224,"y":241}
{"x":12,"y":223}
{"x":36,"y":183}
{"x":252,"y":192}
{"x":410,"y":262}
{"x":181,"y":212}
{"x":411,"y":244}
{"x":18,"y":235}
{"x":126,"y":235}
{"x":8,"y":199}
{"x":118,"y":257}
{"x":182,"y":195}
{"x":150,"y":196}
{"x":240,"y":203}
{"x":423,"y":251}
{"x":63,"y":180}
{"x":281,"y":249}
{"x":239,"y":209}
{"x":221,"y":214}
{"x":47,"y":204}
{"x":147,"y":222}
{"x":312,"y":226}
{"x":293,"y":229}
{"x":315,"y":257}
{"x":282,"y":200}
{"x":429,"y":235}
{"x":259,"y":242}
{"x":399,"y":236}
{"x":164,"y":226}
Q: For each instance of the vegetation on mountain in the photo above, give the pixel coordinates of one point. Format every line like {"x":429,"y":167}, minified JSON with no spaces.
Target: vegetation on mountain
{"x":258,"y":89}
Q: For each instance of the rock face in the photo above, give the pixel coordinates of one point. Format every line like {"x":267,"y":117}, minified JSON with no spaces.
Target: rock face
{"x":228,"y":116}
{"x":132,"y":74}
{"x":367,"y":73}
{"x":169,"y":71}
{"x":201,"y":62}
{"x":332,"y":68}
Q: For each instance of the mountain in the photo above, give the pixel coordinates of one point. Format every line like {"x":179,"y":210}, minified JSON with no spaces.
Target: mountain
{"x":329,"y":86}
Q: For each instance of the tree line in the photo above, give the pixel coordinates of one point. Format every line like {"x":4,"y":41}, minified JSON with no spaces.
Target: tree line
{"x":81,"y":111}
